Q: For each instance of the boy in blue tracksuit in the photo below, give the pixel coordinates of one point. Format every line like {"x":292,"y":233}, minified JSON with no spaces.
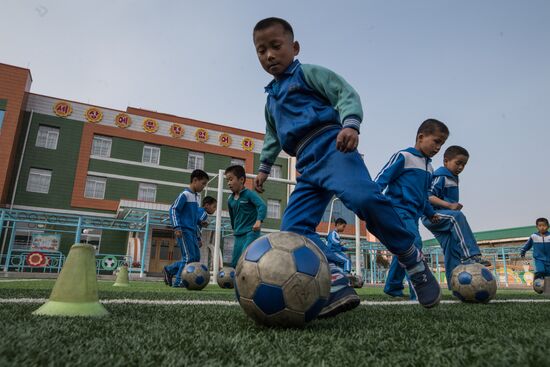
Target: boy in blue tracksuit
{"x":405,"y":179}
{"x":183,"y":216}
{"x":540,"y":242}
{"x":208,"y":208}
{"x":246,"y":209}
{"x":314,"y":114}
{"x":335,"y":251}
{"x":452,"y":231}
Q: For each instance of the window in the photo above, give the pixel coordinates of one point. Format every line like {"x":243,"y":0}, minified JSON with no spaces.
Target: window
{"x":39,"y":180}
{"x":91,"y":237}
{"x":102,"y":146}
{"x":151,"y":154}
{"x":195,"y":160}
{"x":95,"y":187}
{"x":2,"y":112}
{"x":237,"y":162}
{"x":274,"y":209}
{"x":47,"y":137}
{"x":147,"y":192}
{"x":276,"y":171}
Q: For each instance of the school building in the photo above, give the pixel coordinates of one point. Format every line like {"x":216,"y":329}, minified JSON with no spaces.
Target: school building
{"x":75,"y":172}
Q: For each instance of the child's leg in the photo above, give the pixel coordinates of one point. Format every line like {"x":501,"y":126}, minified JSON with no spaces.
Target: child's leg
{"x":452,"y":252}
{"x":176,"y":267}
{"x":238,"y":246}
{"x":344,"y":261}
{"x":251,"y":237}
{"x":396,"y":275}
{"x":456,"y":223}
{"x":194,"y":250}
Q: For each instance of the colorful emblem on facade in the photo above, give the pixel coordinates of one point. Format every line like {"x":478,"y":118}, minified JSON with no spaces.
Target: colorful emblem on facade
{"x":150,"y":125}
{"x":201,"y":135}
{"x":247,"y":144}
{"x":123,"y":120}
{"x":225,"y":140}
{"x":93,"y":114}
{"x":63,"y":109}
{"x":36,"y":259}
{"x":176,"y":130}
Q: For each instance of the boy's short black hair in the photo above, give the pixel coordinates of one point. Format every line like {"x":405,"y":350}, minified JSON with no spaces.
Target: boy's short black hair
{"x":237,"y":170}
{"x":269,"y":22}
{"x":340,"y":221}
{"x":455,"y":150}
{"x":199,"y":174}
{"x":430,"y":126}
{"x":544,"y":220}
{"x":208,"y":200}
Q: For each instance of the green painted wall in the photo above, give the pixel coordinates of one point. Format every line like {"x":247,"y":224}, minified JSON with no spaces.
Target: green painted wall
{"x":3,"y":104}
{"x":62,"y":161}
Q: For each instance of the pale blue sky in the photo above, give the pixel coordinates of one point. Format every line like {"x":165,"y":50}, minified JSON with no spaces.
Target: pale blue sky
{"x":483,"y":67}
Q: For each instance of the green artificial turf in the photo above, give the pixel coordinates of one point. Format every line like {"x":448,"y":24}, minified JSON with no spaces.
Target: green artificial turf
{"x":497,"y":334}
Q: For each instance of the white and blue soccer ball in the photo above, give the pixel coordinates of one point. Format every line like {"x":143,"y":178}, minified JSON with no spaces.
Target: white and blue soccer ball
{"x":282,"y":279}
{"x":473,"y":283}
{"x":538,"y":285}
{"x":226,"y":277}
{"x":195,"y":276}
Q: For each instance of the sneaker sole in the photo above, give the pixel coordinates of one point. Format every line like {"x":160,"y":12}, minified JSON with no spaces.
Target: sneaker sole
{"x":344,"y":304}
{"x":433,"y":304}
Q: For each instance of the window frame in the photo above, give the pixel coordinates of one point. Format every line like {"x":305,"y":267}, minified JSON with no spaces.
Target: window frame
{"x":152,"y":148}
{"x":195,"y":155}
{"x":270,"y":203}
{"x":40,"y":172}
{"x":97,"y":179}
{"x":151,"y":185}
{"x":280,"y":168}
{"x":50,"y":129}
{"x":103,"y":139}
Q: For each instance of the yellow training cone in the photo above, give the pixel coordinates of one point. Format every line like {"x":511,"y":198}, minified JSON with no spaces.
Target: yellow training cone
{"x":122,"y":277}
{"x":75,"y":291}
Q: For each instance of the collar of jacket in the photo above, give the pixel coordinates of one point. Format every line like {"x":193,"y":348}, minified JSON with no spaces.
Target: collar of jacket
{"x":417,"y":153}
{"x":289,"y":71}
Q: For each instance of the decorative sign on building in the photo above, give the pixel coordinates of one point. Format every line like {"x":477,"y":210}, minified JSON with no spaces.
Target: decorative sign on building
{"x":225,"y":140}
{"x":123,"y":120}
{"x":176,"y":130}
{"x":93,"y":114}
{"x":247,"y":144}
{"x":63,"y":109}
{"x":45,"y":241}
{"x":150,"y":125}
{"x":201,"y":135}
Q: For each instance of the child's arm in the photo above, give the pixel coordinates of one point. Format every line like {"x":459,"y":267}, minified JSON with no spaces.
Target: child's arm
{"x":391,"y":171}
{"x":436,"y":194}
{"x":343,"y":98}
{"x":261,"y":208}
{"x":175,"y":210}
{"x":526,"y":247}
{"x":231,"y":215}
{"x":270,"y":151}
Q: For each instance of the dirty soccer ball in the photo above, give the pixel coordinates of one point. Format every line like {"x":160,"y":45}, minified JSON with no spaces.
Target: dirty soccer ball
{"x":538,"y":285}
{"x":282,"y":279}
{"x":473,"y":283}
{"x":195,"y":276}
{"x":226,"y":277}
{"x":356,"y":281}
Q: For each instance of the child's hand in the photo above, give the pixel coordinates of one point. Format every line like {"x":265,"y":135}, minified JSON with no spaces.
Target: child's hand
{"x":455,"y":206}
{"x":259,"y":181}
{"x":204,"y":223}
{"x":435,"y":218}
{"x":522,"y":254}
{"x":178,"y":233}
{"x":347,"y":140}
{"x":257,"y":226}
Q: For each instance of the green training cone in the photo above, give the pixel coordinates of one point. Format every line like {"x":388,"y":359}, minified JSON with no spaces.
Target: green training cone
{"x":122,"y":277}
{"x":75,"y":291}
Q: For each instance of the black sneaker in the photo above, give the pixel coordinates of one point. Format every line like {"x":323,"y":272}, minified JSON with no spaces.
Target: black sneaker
{"x":426,"y":287}
{"x":167,"y":277}
{"x":345,"y":299}
{"x":478,"y":259}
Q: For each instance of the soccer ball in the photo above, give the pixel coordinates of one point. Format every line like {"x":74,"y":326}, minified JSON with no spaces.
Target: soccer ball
{"x":473,"y":283}
{"x":226,"y":277}
{"x":538,"y":285}
{"x":282,"y":279}
{"x":195,"y":276}
{"x":357,"y":281}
